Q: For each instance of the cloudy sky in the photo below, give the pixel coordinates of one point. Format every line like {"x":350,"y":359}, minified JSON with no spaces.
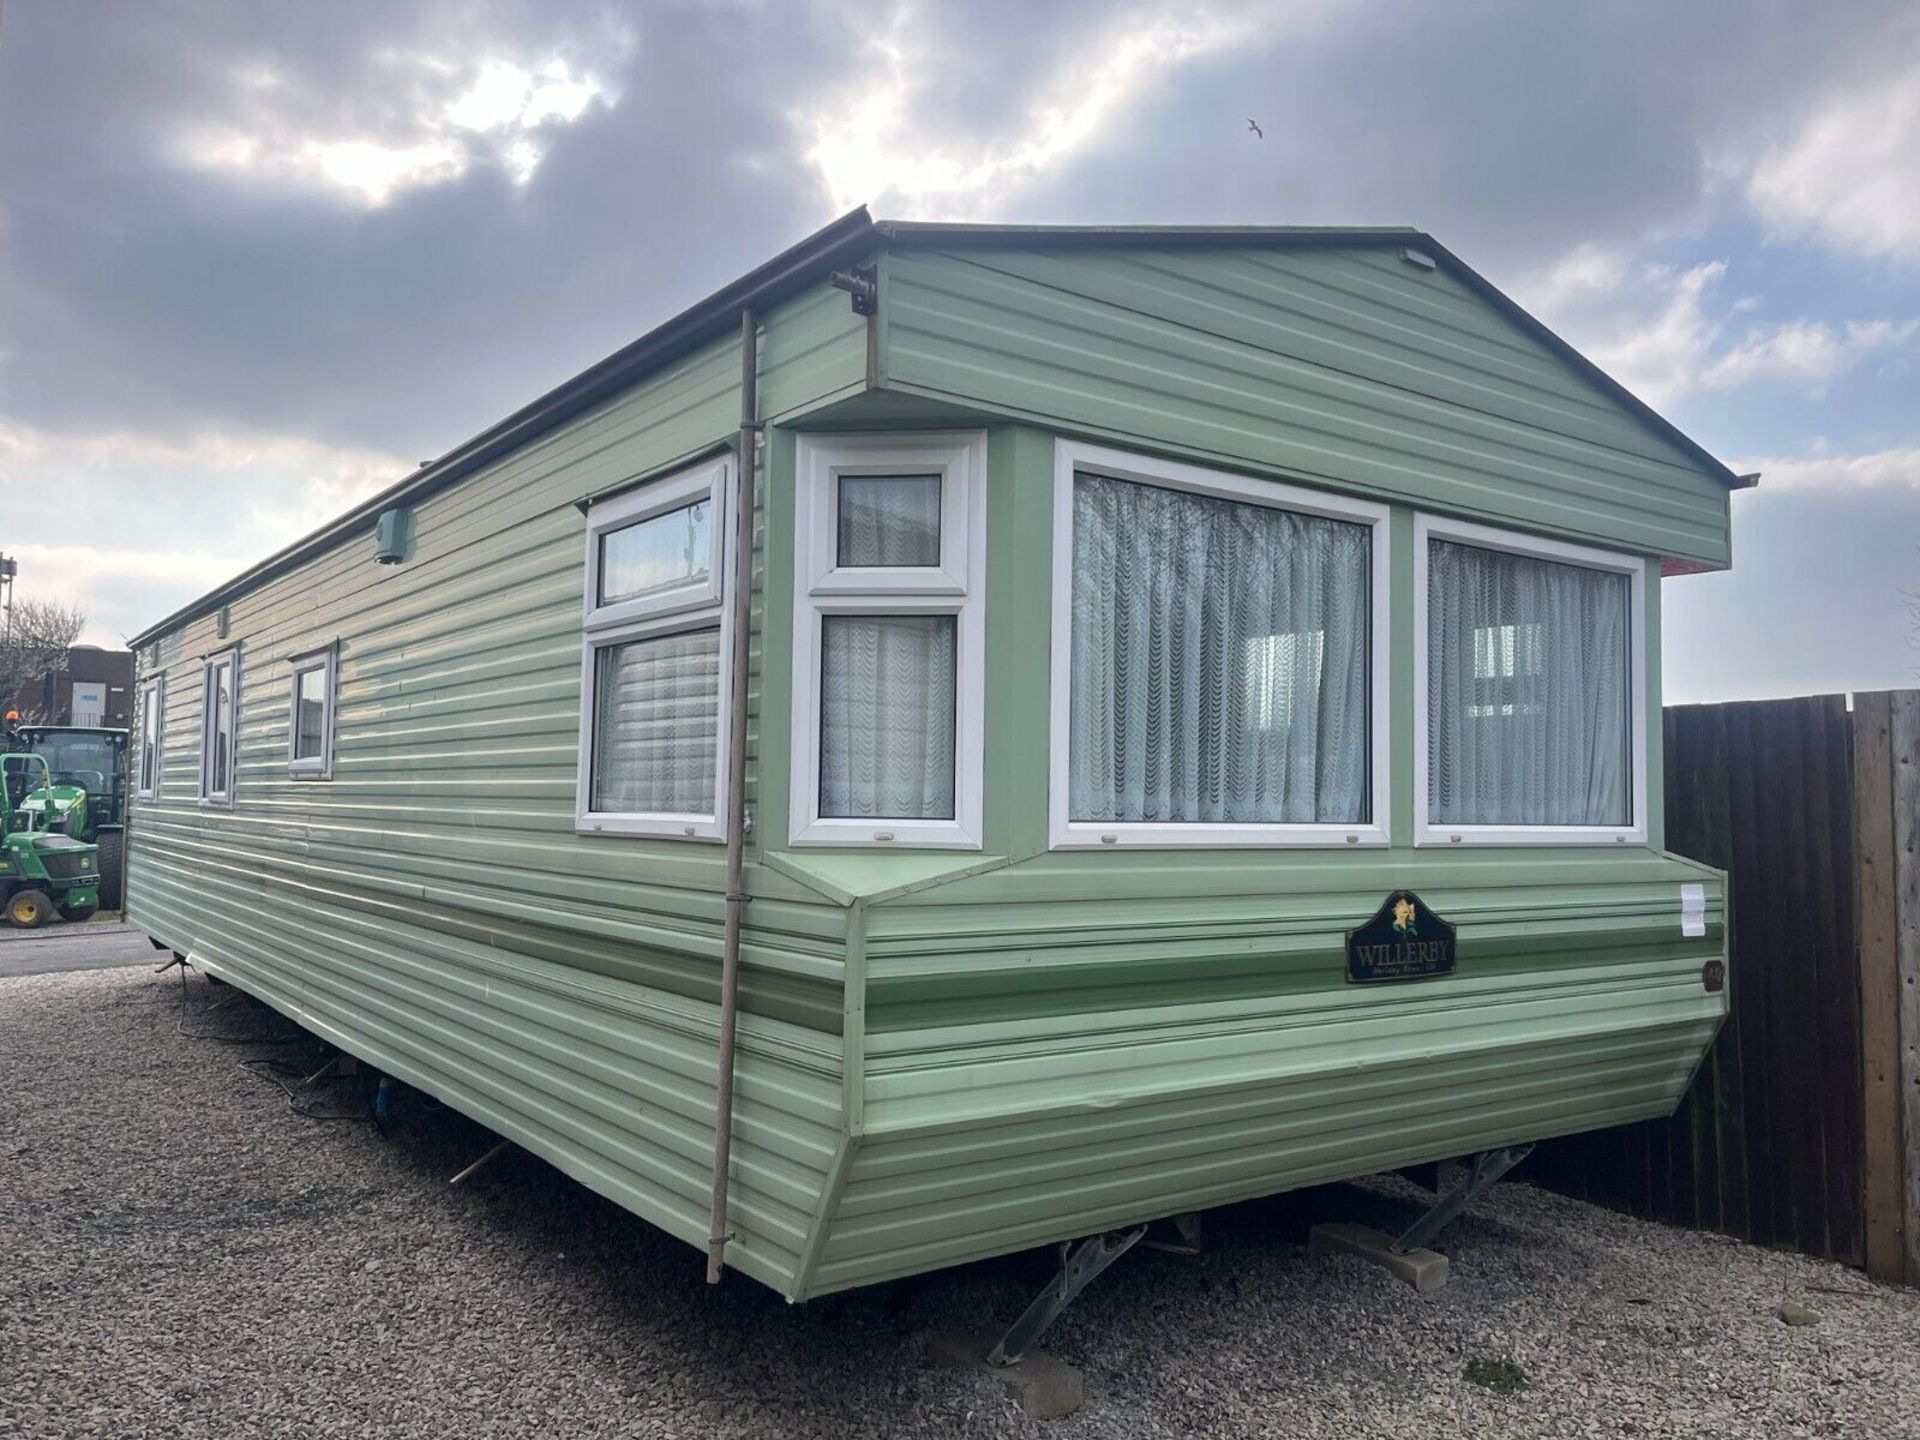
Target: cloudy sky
{"x":256,"y":260}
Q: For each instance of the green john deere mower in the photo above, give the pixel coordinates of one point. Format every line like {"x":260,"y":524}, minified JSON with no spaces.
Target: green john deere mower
{"x":83,"y":794}
{"x":42,"y":871}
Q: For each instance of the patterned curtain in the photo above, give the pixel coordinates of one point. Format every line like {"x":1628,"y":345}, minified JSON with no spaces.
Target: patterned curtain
{"x":657,"y":725}
{"x":1219,"y":660}
{"x":1528,"y":692}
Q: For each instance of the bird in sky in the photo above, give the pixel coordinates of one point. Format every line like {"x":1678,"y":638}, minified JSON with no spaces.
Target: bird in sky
{"x":1253,"y":126}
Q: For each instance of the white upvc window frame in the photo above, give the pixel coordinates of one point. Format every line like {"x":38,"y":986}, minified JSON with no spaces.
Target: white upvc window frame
{"x":1426,"y":833}
{"x":1071,"y":456}
{"x":956,"y":587}
{"x":210,"y":667}
{"x":312,"y":767}
{"x":153,"y":698}
{"x":696,"y":605}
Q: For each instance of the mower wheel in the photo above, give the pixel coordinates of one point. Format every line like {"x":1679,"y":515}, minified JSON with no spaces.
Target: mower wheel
{"x":78,"y":911}
{"x":112,"y":845}
{"x":29,"y":909}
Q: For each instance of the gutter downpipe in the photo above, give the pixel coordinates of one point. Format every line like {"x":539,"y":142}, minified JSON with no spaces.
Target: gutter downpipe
{"x":717,"y":1232}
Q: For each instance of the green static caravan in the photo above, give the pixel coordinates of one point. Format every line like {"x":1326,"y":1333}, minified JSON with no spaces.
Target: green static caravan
{"x":1129,"y":615}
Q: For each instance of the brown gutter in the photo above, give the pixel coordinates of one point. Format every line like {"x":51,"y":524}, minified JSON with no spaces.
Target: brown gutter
{"x":717,"y":1232}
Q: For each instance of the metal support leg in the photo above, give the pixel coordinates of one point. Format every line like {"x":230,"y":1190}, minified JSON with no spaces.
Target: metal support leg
{"x":485,"y":1159}
{"x":1080,"y":1263}
{"x":339,"y":1064}
{"x":1189,"y":1238}
{"x":1485,"y":1168}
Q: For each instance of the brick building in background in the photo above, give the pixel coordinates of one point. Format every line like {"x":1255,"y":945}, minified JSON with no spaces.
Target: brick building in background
{"x":95,"y":687}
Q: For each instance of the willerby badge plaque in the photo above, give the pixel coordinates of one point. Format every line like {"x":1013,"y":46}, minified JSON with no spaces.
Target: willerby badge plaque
{"x":1403,"y":941}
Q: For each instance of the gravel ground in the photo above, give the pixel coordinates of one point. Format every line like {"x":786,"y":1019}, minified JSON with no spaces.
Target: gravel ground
{"x":181,"y":1255}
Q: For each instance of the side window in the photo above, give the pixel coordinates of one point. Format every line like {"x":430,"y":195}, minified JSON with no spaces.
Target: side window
{"x":889,"y":640}
{"x":152,"y":715}
{"x":653,"y":659}
{"x":310,"y":720}
{"x":1530,"y":658}
{"x":219,"y":725}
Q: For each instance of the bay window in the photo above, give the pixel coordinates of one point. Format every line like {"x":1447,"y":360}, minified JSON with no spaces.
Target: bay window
{"x":1219,"y":653}
{"x":889,"y":640}
{"x":1531,"y":676}
{"x":653,"y":674}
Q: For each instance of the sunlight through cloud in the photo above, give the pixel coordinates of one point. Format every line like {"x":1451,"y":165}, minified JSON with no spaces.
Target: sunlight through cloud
{"x":870,"y":149}
{"x":456,"y":115}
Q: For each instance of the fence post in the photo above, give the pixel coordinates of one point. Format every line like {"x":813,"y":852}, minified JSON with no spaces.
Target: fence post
{"x":1880,"y":1055}
{"x":1906,"y":853}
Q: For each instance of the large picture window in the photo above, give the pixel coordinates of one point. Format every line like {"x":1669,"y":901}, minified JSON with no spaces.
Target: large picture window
{"x":653,"y":671}
{"x":1218,"y":659}
{"x":889,"y":640}
{"x":219,"y":727}
{"x":1532,"y":680}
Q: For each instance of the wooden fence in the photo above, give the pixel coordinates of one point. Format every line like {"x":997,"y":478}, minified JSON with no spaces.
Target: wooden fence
{"x":1802,"y":1128}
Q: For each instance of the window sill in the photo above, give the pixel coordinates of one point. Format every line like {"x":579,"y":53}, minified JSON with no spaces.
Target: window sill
{"x":1459,"y":837}
{"x":700,"y":828}
{"x":889,"y":834}
{"x":1080,"y":835}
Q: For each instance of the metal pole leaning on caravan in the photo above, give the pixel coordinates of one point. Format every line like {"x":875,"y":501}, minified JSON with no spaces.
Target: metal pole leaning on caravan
{"x":718,"y":1234}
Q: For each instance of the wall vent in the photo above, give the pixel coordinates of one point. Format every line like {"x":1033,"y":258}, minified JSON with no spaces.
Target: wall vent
{"x":390,"y":535}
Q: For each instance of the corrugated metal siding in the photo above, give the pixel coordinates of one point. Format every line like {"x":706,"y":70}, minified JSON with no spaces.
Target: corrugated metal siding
{"x":1343,"y":366}
{"x":1080,"y":1041}
{"x":1093,"y":931}
{"x":916,"y":1200}
{"x":431,"y":908}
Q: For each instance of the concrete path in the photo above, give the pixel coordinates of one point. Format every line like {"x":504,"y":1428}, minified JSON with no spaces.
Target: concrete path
{"x":96,"y":945}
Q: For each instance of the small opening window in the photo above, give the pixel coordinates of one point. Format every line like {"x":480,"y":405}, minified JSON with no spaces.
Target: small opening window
{"x":219,"y":727}
{"x":661,"y":553}
{"x":152,"y":715}
{"x":888,"y":520}
{"x":310,"y":725}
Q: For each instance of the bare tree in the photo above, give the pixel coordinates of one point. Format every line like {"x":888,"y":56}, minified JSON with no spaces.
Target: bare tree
{"x":36,"y":639}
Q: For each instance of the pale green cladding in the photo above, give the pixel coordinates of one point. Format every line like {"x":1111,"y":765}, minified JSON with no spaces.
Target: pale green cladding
{"x":1347,"y":367}
{"x":432,"y":909}
{"x":945,"y":1055}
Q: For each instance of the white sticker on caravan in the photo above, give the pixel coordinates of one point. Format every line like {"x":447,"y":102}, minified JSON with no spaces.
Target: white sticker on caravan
{"x":1693,"y":910}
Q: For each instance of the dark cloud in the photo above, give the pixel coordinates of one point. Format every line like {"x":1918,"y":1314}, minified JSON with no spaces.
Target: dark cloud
{"x":148,"y":302}
{"x":143,"y":292}
{"x":1514,"y":131}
